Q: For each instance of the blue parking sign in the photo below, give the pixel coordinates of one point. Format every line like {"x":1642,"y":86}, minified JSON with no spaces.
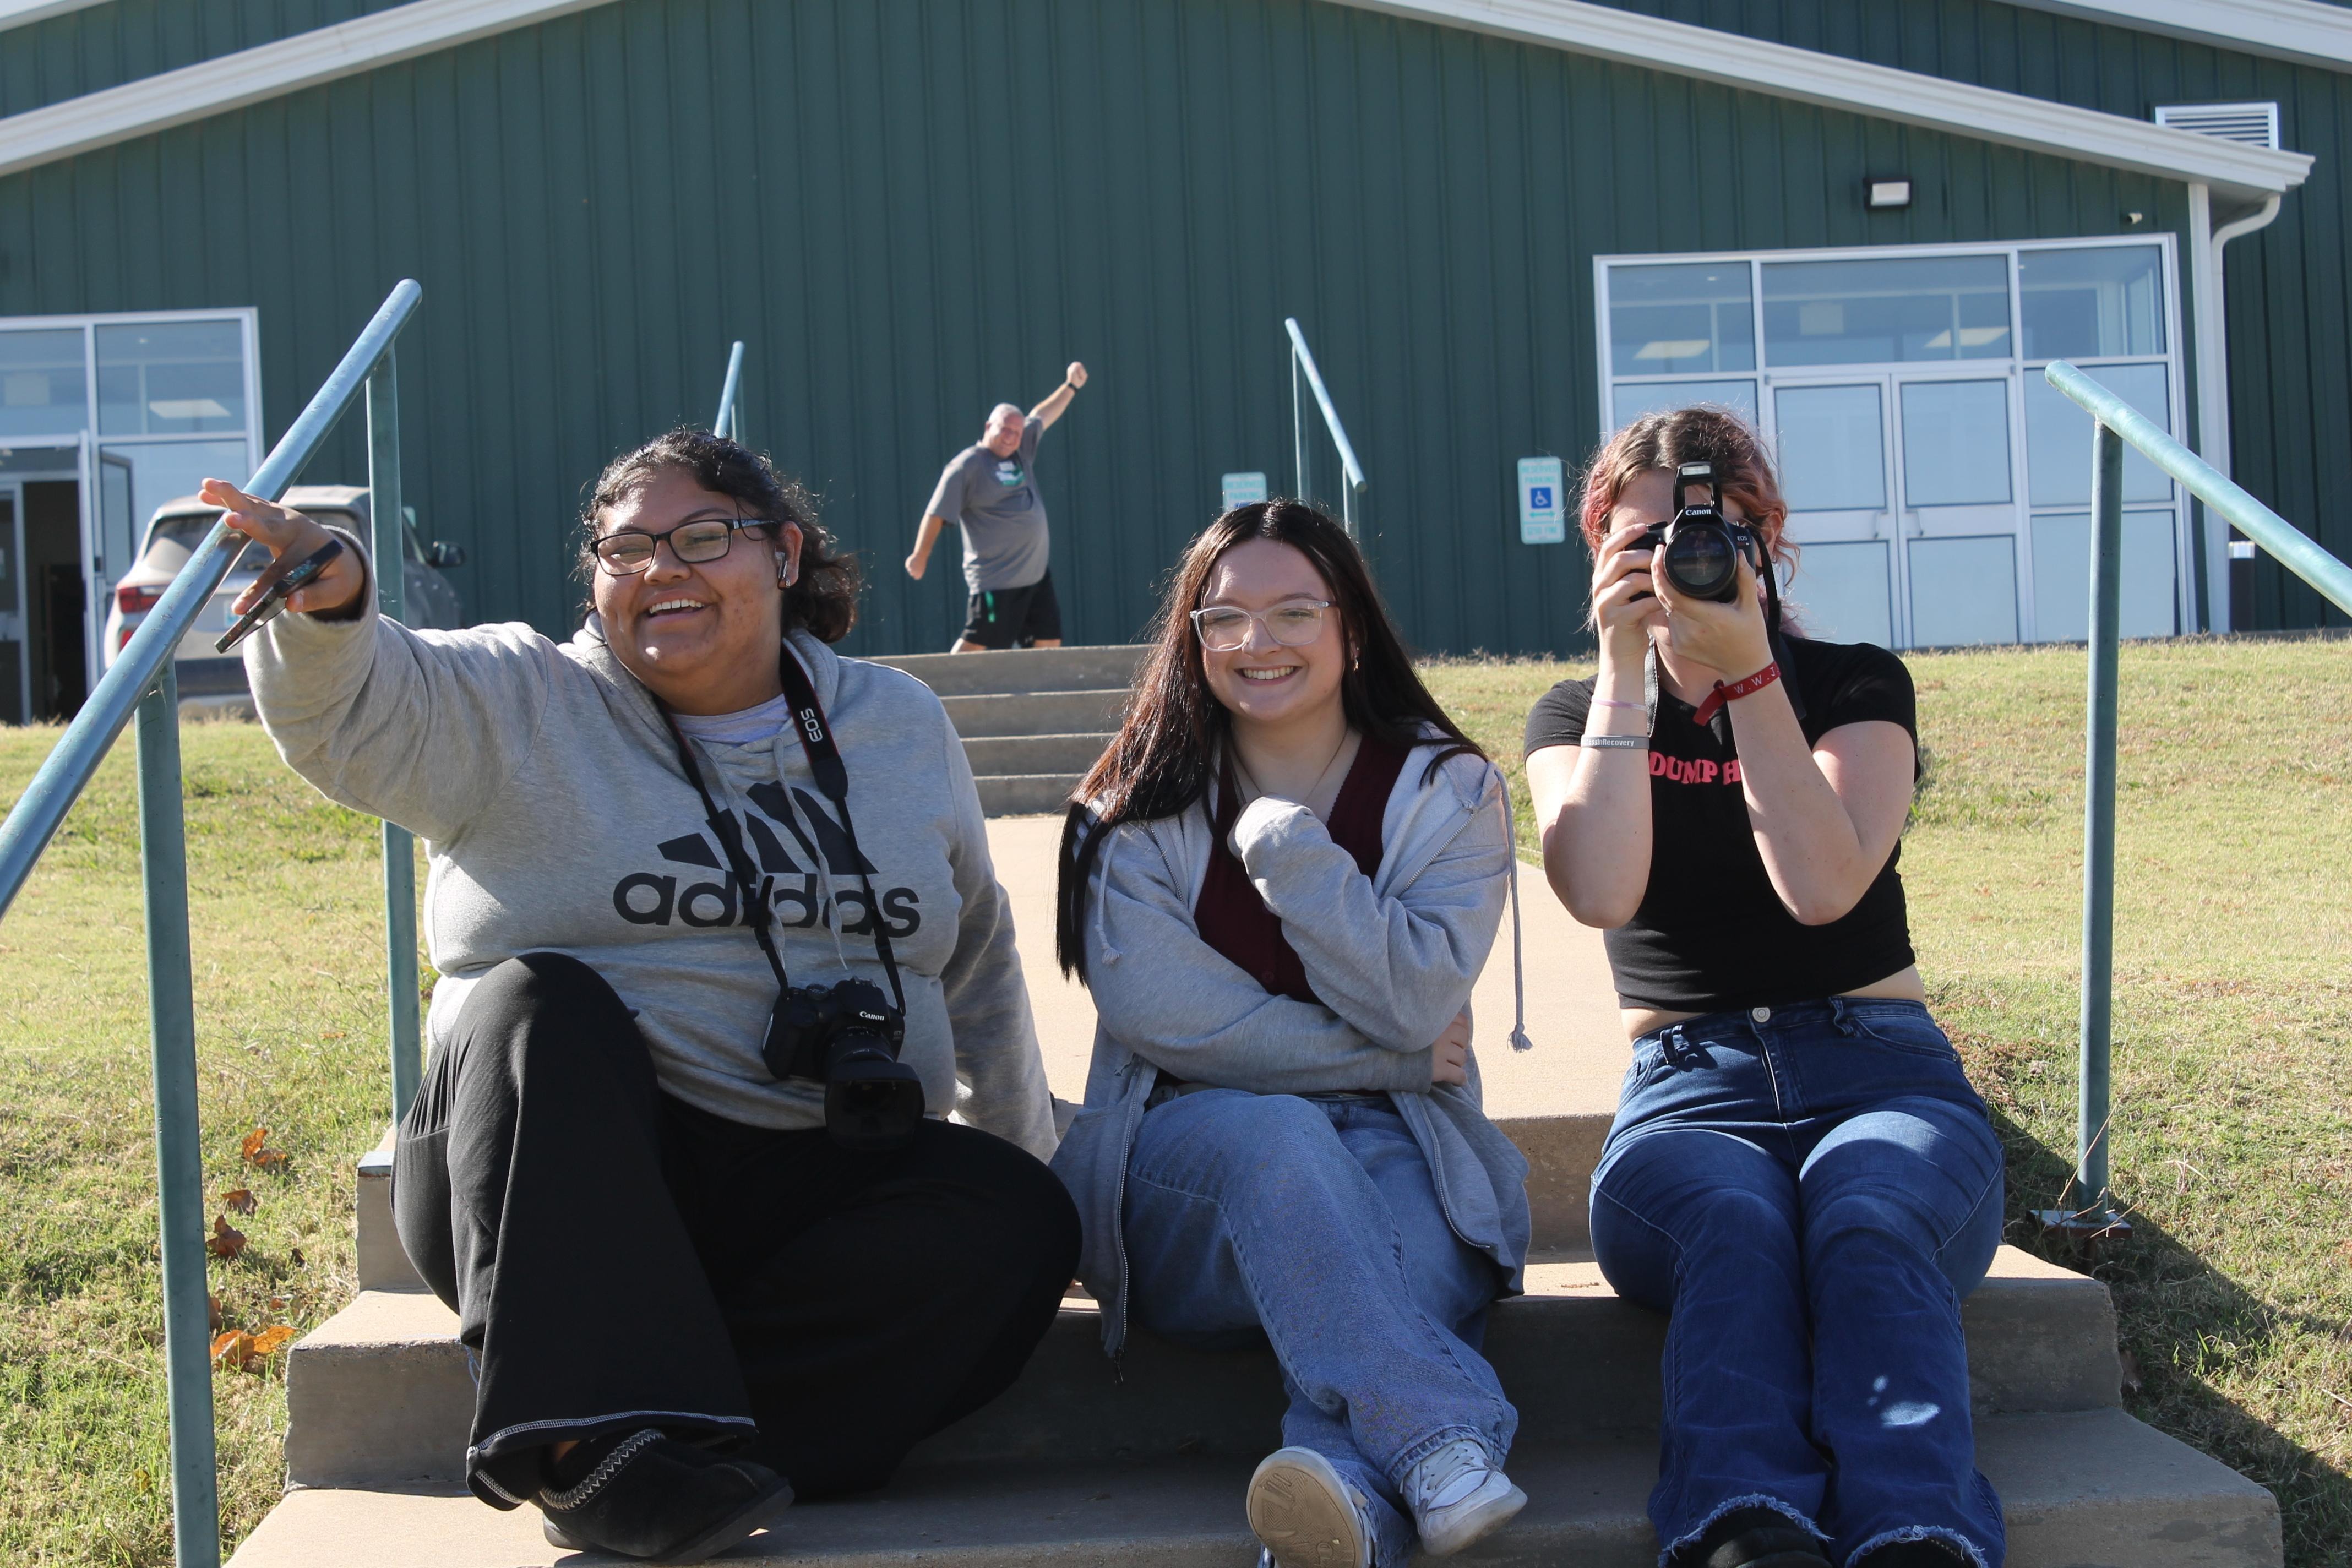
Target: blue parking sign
{"x":1540,"y":498}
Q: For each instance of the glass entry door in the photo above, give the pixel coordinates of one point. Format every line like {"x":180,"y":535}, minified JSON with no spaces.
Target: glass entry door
{"x":1903,"y":503}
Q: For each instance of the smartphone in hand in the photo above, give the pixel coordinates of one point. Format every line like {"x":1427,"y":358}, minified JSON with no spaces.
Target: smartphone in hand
{"x":304,"y":572}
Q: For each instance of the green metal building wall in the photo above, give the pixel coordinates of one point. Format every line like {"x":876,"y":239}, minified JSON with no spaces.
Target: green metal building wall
{"x":914,"y":208}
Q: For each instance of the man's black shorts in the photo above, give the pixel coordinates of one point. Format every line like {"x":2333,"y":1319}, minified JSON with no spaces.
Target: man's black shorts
{"x":1015,"y":617}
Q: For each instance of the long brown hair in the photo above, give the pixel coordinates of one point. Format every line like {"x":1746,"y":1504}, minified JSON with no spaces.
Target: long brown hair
{"x":1703,"y":434}
{"x":1161,"y":761}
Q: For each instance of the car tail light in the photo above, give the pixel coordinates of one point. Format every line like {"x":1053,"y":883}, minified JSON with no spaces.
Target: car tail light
{"x":130,"y":599}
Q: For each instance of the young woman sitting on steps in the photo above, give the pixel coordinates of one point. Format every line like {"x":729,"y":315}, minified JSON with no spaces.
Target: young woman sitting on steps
{"x":1798,"y":1169}
{"x":684,"y":1297}
{"x":1279,"y":884}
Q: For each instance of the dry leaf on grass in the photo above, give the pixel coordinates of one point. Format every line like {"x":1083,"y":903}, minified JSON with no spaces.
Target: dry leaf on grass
{"x":240,"y":1201}
{"x":334,"y":1033}
{"x":259,"y":1153}
{"x":240,"y":1352}
{"x":294,"y":1256}
{"x":213,"y":1301}
{"x":228,"y":1240}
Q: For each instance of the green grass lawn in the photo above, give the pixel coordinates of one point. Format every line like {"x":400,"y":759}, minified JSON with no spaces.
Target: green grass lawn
{"x":2234,"y":1051}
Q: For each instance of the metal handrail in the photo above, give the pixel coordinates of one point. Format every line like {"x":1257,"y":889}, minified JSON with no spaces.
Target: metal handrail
{"x":2116,"y":422}
{"x":143,"y":680}
{"x":730,"y":422}
{"x":1302,"y":360}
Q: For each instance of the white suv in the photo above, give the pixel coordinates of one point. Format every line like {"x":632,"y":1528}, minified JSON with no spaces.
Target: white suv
{"x":216,"y":680}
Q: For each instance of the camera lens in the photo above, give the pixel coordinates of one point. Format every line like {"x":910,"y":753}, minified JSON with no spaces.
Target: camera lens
{"x":1701,"y":562}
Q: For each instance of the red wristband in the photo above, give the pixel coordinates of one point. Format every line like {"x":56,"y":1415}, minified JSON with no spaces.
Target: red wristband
{"x":1735,"y":691}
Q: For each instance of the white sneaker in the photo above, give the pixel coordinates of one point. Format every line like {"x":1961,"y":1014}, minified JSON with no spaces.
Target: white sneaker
{"x":1305,"y":1515}
{"x":1457,"y":1497}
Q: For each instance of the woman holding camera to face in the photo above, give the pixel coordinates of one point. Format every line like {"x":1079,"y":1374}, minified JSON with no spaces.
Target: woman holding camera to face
{"x":715,"y":924}
{"x":1280,"y":883}
{"x":1799,"y":1170}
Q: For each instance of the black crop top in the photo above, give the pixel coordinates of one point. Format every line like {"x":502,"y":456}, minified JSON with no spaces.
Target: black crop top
{"x":1711,"y":934}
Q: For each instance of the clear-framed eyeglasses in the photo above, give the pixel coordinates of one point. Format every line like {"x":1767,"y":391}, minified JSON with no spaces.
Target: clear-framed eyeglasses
{"x":625,"y":551}
{"x":1294,"y":623}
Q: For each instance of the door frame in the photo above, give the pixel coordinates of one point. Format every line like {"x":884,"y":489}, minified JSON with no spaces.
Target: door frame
{"x":12,"y":488}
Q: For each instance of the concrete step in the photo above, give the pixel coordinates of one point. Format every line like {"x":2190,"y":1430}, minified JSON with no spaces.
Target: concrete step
{"x":990,"y":754}
{"x":1026,"y":794}
{"x":1107,"y":667}
{"x":1071,"y":712}
{"x":2081,"y":1489}
{"x":379,"y":1395}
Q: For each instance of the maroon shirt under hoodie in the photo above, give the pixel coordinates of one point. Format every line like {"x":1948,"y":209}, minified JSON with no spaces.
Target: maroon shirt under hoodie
{"x":1231,"y":916}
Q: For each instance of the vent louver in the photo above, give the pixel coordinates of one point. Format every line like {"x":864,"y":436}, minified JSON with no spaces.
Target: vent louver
{"x":2255,"y":124}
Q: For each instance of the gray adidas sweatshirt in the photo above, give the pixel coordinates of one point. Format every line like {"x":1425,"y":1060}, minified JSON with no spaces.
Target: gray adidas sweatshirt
{"x":548,"y":791}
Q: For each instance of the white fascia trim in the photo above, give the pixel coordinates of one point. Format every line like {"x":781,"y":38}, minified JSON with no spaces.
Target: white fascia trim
{"x":24,"y":13}
{"x":1881,"y":92}
{"x":2303,"y":31}
{"x":251,"y":76}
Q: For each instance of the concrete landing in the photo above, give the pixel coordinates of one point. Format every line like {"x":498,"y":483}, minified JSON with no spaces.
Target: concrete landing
{"x":2092,"y":1489}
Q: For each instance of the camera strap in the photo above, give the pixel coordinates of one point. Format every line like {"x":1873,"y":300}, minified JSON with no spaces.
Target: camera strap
{"x":816,"y":732}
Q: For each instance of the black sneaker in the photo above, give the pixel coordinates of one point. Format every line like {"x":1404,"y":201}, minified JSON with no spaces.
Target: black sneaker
{"x":661,"y":1500}
{"x":1934,"y":1552}
{"x":1756,"y":1538}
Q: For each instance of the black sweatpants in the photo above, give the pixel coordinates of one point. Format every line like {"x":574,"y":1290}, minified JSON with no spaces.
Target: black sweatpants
{"x":619,"y":1258}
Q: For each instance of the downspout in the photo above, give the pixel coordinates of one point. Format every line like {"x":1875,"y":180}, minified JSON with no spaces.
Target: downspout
{"x":2205,"y":245}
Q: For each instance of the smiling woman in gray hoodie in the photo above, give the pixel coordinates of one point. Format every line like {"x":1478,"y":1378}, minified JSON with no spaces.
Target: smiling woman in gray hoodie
{"x":656,"y":1251}
{"x":1279,"y":884}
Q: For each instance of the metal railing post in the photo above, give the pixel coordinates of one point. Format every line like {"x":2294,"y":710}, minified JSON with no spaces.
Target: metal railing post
{"x":1351,"y":473}
{"x":1297,"y":429}
{"x":179,"y":1161}
{"x":729,"y":420}
{"x":387,"y":523}
{"x":2099,"y":828}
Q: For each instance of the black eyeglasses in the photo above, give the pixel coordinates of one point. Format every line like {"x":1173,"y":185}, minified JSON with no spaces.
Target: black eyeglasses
{"x":628,"y":551}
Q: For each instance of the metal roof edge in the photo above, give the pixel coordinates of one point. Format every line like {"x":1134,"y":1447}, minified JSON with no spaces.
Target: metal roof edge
{"x":308,"y":60}
{"x":2302,"y":31}
{"x":269,"y":70}
{"x":1882,"y":92}
{"x":24,"y":13}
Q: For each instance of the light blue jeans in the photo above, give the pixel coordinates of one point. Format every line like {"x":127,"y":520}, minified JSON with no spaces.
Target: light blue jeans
{"x":1317,"y":1221}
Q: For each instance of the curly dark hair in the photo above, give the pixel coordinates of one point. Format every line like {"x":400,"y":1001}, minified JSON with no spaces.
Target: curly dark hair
{"x":823,"y":601}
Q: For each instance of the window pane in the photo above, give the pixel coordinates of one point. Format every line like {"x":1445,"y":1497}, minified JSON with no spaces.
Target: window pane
{"x":1840,"y":594}
{"x":2080,"y":304}
{"x":1691,"y":317}
{"x":1886,"y":309}
{"x":2058,"y":437}
{"x":1630,"y":402}
{"x":1963,"y":591}
{"x":1833,"y":447}
{"x":43,"y":389}
{"x":1955,"y":443}
{"x":159,"y":471}
{"x":2062,"y":577}
{"x":164,"y":378}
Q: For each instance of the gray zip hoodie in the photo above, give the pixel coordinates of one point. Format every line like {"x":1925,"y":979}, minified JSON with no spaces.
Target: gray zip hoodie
{"x":1395,"y":954}
{"x":557,"y":818}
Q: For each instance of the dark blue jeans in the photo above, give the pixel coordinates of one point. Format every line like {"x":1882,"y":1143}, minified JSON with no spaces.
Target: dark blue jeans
{"x":1810,"y":1190}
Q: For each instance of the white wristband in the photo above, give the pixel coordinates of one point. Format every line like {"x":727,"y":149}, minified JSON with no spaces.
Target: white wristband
{"x":1616,"y":743}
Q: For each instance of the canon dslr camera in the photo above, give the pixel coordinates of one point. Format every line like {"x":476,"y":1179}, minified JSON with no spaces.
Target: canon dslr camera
{"x":1699,"y":549}
{"x":847,"y":1037}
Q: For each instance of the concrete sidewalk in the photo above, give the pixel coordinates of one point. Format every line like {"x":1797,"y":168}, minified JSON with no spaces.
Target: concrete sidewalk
{"x":1580,"y":1052}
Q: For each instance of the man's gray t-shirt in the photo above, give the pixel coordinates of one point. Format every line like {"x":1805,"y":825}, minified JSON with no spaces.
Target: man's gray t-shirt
{"x":994,"y":499}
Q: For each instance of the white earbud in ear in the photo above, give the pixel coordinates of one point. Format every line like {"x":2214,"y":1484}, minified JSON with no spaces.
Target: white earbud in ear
{"x":787,"y":573}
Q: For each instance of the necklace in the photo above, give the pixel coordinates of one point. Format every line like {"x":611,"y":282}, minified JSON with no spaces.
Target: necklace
{"x":1251,"y":790}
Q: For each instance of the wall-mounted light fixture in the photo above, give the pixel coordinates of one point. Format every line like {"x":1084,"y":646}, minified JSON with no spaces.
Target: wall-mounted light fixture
{"x":1890,"y":193}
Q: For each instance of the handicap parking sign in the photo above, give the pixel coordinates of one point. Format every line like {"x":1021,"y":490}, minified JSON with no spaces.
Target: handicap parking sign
{"x":1541,"y":518}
